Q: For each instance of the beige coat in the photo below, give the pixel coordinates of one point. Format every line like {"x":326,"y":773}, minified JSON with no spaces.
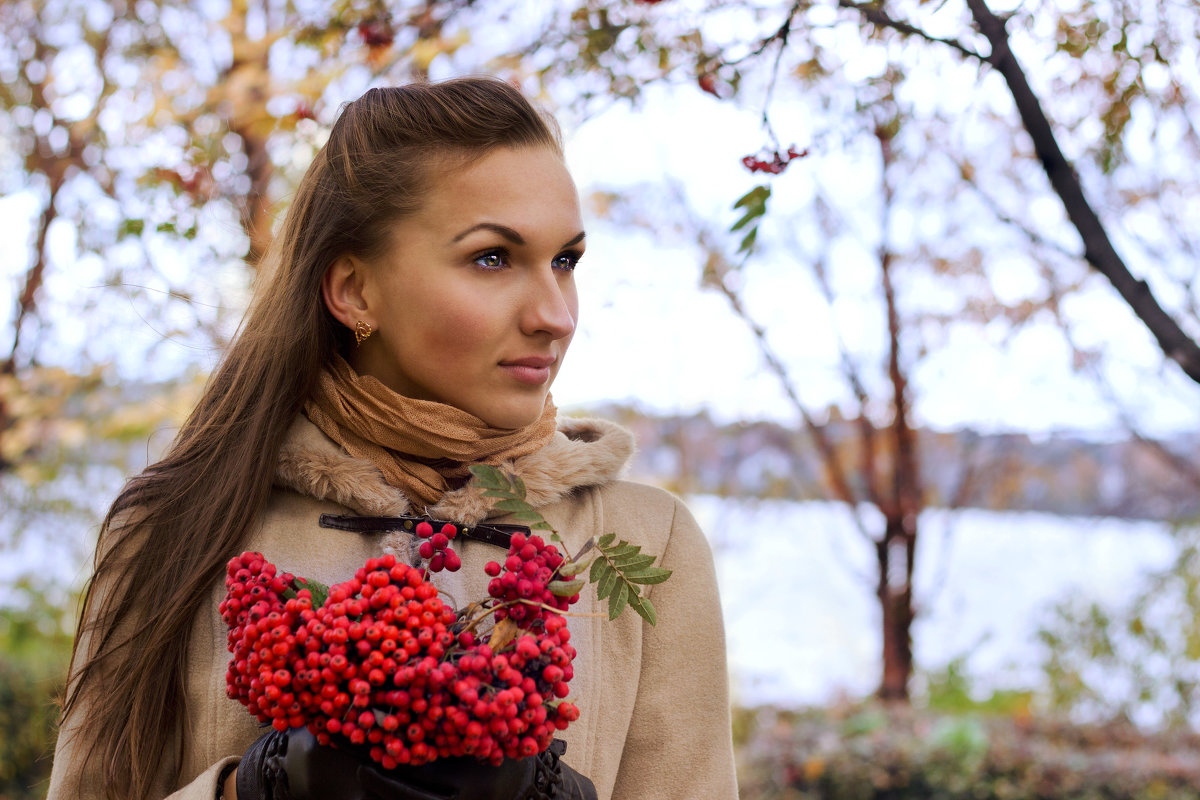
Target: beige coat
{"x":654,"y":720}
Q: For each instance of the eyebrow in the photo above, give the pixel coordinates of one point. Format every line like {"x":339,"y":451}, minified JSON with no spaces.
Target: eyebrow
{"x":507,"y":233}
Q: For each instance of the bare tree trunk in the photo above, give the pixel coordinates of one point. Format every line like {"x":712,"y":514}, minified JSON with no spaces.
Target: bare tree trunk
{"x":896,"y":551}
{"x":894,"y":555}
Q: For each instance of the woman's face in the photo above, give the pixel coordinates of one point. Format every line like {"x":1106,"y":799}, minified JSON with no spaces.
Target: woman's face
{"x":474,"y":303}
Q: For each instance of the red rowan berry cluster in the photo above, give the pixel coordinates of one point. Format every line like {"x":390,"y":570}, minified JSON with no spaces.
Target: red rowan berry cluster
{"x":261,"y":637}
{"x":436,"y":547}
{"x":778,"y":161}
{"x":523,"y":583}
{"x":385,"y":665}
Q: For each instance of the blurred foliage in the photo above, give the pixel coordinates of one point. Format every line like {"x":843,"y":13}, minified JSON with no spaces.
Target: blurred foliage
{"x":874,"y":752}
{"x":1139,"y":662}
{"x":70,"y":441}
{"x":157,"y":143}
{"x":35,"y":647}
{"x":949,"y":691}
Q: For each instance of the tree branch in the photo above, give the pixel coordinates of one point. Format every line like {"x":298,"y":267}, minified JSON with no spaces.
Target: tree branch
{"x":780,"y":35}
{"x":1098,"y":248}
{"x":866,"y":428}
{"x":874,"y":14}
{"x":833,"y":465}
{"x":906,"y":480}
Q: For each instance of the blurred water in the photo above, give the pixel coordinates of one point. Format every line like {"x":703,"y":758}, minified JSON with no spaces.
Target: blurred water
{"x":798,"y":591}
{"x":797,"y":588}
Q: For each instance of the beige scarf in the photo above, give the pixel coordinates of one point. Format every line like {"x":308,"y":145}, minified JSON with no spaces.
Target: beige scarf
{"x":423,"y":448}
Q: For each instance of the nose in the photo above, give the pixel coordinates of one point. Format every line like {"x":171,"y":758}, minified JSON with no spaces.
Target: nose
{"x":551,"y":306}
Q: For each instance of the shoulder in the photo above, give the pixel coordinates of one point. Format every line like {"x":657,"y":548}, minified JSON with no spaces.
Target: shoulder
{"x":654,"y":517}
{"x":640,"y":501}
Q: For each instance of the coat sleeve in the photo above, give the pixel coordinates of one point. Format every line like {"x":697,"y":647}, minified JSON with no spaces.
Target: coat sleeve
{"x":69,"y":782}
{"x":680,"y":743}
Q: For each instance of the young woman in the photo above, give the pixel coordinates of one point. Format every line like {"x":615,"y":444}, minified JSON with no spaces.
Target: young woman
{"x":414,"y":311}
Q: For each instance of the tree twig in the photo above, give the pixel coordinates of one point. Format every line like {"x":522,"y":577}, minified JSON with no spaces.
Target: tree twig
{"x":874,"y":14}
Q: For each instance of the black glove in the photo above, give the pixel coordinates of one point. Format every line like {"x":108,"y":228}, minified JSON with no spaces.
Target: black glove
{"x":293,"y":766}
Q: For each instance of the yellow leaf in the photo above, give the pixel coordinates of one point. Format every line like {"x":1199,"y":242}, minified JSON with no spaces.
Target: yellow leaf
{"x":504,"y":632}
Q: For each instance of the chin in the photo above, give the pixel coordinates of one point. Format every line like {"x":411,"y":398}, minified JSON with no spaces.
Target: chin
{"x":512,"y":416}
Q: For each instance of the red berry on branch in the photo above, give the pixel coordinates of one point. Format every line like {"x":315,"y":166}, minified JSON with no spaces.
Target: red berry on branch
{"x":376,"y":32}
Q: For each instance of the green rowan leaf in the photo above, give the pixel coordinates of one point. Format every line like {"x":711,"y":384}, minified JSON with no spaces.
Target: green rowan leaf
{"x":745,"y":220}
{"x":633,"y":561}
{"x":513,"y":505}
{"x":599,"y":567}
{"x":510,"y":491}
{"x":569,"y":569}
{"x":610,"y":581}
{"x":755,"y":204}
{"x":755,"y":198}
{"x":566,"y":588}
{"x":748,"y":241}
{"x":318,"y":590}
{"x":488,"y":476}
{"x":518,"y":486}
{"x":618,"y":571}
{"x":620,"y":551}
{"x":644,"y":609}
{"x":648,"y":576}
{"x":617,"y":604}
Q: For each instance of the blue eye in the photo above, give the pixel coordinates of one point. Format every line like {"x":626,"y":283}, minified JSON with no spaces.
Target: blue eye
{"x":492,"y":260}
{"x":566,"y":261}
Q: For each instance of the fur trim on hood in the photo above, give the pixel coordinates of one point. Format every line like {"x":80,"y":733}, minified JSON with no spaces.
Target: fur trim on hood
{"x":584,"y":452}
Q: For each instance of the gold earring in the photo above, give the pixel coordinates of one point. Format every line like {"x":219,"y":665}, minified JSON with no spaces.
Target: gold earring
{"x":362,"y":332}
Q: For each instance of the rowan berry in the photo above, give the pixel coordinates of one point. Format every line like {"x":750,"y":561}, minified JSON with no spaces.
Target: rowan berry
{"x":420,"y":687}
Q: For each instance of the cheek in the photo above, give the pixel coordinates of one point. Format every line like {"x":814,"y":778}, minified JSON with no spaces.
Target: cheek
{"x":455,"y":331}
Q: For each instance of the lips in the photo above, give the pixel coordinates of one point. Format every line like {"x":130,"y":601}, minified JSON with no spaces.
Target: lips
{"x":537,"y":362}
{"x":533,"y":370}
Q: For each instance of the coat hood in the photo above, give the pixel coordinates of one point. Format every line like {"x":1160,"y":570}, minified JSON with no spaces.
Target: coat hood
{"x":584,"y":452}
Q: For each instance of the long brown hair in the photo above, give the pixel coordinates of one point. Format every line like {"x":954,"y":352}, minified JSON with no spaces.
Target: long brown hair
{"x":164,"y":543}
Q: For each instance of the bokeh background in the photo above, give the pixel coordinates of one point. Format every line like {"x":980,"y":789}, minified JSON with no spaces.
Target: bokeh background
{"x":899,"y":295}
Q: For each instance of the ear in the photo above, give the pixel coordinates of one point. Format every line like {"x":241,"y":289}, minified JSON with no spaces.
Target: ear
{"x":342,"y":288}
